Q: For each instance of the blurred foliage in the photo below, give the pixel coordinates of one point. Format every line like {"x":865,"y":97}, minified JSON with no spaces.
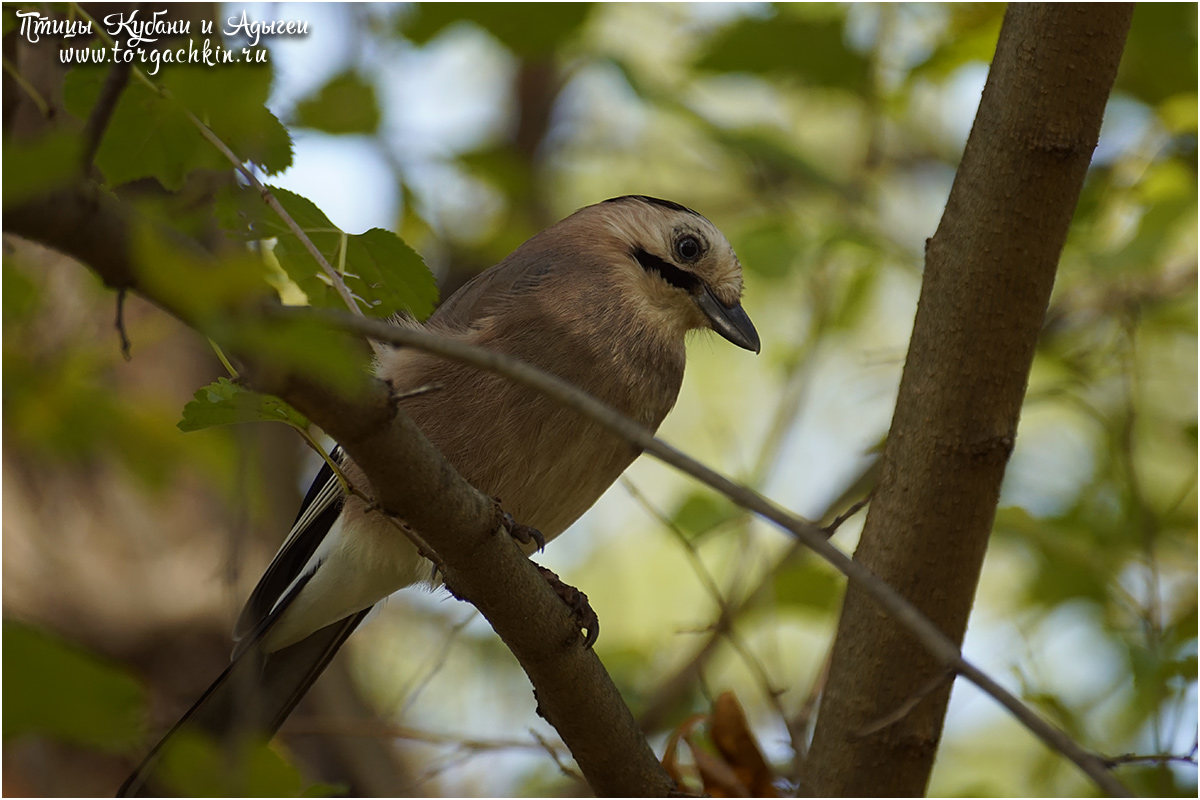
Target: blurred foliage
{"x":150,"y":133}
{"x":822,"y":139}
{"x":345,"y":104}
{"x":193,"y":765}
{"x":54,"y":689}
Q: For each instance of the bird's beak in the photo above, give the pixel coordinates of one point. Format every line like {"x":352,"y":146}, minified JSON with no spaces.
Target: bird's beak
{"x":731,"y":322}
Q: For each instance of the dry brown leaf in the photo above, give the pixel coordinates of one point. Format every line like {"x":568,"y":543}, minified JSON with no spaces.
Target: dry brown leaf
{"x":718,"y":777}
{"x":670,"y":759}
{"x":733,"y":738}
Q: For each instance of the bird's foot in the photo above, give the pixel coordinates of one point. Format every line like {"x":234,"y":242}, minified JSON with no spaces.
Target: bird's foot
{"x":577,"y":601}
{"x":524,"y":534}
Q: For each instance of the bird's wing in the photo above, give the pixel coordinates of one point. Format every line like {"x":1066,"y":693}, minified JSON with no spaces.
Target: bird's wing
{"x":489,"y":291}
{"x":320,"y":509}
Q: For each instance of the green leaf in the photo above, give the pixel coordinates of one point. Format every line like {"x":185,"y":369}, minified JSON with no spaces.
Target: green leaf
{"x":200,"y":289}
{"x":227,"y":403}
{"x":346,"y":104}
{"x":149,"y":135}
{"x":380,"y":266}
{"x":772,"y":153}
{"x":58,"y":690}
{"x":1160,"y":54}
{"x":701,"y":512}
{"x":39,"y":166}
{"x":768,"y":249}
{"x":21,"y":296}
{"x":232,"y":101}
{"x":210,"y":294}
{"x":809,"y":584}
{"x":383,"y":273}
{"x":305,"y":345}
{"x":194,"y":765}
{"x":528,"y":29}
{"x":812,"y":49}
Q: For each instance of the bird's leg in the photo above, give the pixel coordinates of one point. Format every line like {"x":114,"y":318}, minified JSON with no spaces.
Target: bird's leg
{"x":577,"y":601}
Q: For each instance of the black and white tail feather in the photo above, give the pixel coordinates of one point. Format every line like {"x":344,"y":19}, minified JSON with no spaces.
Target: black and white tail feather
{"x":258,"y":690}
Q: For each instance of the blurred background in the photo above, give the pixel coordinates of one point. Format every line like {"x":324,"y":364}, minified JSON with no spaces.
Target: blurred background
{"x":822,"y":139}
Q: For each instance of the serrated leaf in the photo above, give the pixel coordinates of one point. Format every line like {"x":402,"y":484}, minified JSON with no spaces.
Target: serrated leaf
{"x":228,"y":403}
{"x":528,"y":29}
{"x":54,"y":689}
{"x":345,"y":104}
{"x":233,"y":103}
{"x":148,"y":136}
{"x":812,"y":49}
{"x":383,"y":273}
{"x":389,"y":271}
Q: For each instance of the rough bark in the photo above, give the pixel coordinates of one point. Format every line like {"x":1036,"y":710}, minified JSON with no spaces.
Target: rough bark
{"x":988,"y":274}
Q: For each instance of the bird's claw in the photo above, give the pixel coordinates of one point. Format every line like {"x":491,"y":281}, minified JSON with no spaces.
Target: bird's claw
{"x":524,"y":534}
{"x":577,"y":601}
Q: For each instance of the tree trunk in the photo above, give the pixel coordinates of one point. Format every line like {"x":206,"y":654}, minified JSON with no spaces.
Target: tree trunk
{"x":988,"y":274}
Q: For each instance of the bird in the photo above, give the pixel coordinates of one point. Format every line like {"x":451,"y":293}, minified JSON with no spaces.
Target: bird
{"x":604,"y":299}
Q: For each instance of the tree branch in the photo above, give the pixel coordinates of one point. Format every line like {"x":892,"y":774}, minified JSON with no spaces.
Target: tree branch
{"x":988,"y":275}
{"x":97,"y":122}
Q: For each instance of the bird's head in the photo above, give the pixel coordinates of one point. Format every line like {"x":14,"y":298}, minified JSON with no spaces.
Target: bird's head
{"x":679,"y":265}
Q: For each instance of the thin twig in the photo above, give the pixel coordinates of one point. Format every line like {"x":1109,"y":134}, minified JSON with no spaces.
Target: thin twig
{"x":42,"y":106}
{"x":439,"y":661}
{"x":334,"y":276}
{"x":906,"y":708}
{"x":556,"y":756}
{"x":120,"y":323}
{"x":673,"y":685}
{"x":901,"y":610}
{"x":800,"y":723}
{"x":710,"y":585}
{"x":1164,"y":758}
{"x":832,"y":527}
{"x":320,"y":726}
{"x":97,"y":122}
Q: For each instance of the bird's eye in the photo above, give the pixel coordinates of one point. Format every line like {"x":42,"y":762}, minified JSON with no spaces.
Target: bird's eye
{"x":687,"y":248}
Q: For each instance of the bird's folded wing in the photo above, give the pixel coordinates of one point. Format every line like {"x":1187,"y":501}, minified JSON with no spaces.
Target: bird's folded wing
{"x":490,"y":291}
{"x":320,"y":509}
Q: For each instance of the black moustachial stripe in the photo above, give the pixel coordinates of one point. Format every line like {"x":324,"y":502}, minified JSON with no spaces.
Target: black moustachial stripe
{"x":670,"y":273}
{"x":654,"y":201}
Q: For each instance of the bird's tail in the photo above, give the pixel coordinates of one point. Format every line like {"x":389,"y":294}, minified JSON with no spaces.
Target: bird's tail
{"x":250,"y":699}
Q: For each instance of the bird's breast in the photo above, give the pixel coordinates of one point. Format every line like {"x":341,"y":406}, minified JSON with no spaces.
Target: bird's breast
{"x":544,"y":461}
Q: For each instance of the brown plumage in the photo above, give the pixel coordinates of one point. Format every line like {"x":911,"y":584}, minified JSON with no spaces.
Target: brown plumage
{"x":603,"y":299}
